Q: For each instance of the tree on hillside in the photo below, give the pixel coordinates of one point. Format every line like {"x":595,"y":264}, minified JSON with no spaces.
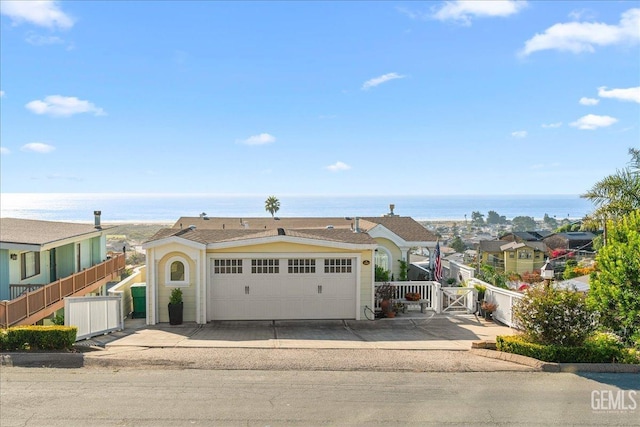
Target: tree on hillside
{"x":619,"y":194}
{"x":494,"y":218}
{"x":458,"y":245}
{"x":552,"y":223}
{"x":477,"y":218}
{"x":523,"y":223}
{"x":272,"y":205}
{"x":615,"y":287}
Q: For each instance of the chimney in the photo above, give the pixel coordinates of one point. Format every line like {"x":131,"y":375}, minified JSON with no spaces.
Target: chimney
{"x":391,"y":208}
{"x":96,"y":216}
{"x":356,"y":225}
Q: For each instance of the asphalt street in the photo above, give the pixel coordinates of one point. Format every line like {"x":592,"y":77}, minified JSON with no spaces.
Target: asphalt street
{"x":159,"y":397}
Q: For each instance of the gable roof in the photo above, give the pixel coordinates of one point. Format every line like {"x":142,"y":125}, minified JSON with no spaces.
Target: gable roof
{"x":529,"y":236}
{"x":35,"y":232}
{"x":406,"y":228}
{"x":208,"y":236}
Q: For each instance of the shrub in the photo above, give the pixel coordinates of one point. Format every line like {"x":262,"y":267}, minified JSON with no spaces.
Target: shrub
{"x":555,"y":316}
{"x":599,"y":348}
{"x":382,"y":275}
{"x":38,"y":338}
{"x":176,"y":296}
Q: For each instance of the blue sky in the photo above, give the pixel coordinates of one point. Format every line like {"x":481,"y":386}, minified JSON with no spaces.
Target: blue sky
{"x":320,"y":98}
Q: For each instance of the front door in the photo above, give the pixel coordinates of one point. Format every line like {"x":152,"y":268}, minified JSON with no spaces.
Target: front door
{"x":52,"y":266}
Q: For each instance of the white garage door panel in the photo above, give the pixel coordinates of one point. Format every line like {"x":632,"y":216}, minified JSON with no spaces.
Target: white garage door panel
{"x":283,"y":295}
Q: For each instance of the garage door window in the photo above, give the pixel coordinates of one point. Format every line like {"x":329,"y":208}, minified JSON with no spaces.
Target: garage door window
{"x":265,"y":266}
{"x":337,"y":265}
{"x":307,"y":266}
{"x":227,"y":266}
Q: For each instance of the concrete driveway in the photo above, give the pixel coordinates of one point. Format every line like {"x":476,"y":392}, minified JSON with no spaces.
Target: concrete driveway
{"x":428,"y":332}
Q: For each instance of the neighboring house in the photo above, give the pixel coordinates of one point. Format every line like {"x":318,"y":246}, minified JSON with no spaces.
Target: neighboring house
{"x":512,"y":256}
{"x":34,"y":254}
{"x":490,"y":253}
{"x":526,"y":236}
{"x":571,"y":240}
{"x":580,"y":284}
{"x":523,"y":257}
{"x":275,"y":268}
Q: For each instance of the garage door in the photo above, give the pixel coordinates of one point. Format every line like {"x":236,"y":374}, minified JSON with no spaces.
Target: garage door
{"x":282,"y":288}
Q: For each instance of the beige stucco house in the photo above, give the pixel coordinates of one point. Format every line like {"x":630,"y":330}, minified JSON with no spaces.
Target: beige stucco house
{"x":275,"y":268}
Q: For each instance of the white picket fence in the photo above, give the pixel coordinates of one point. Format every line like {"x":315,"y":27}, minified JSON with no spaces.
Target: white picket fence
{"x":93,"y":315}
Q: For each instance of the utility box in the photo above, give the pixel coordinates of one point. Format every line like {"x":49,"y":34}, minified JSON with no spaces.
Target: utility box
{"x":139,"y":297}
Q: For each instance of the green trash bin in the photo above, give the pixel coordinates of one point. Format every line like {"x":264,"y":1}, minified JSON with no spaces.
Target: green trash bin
{"x":139,"y":297}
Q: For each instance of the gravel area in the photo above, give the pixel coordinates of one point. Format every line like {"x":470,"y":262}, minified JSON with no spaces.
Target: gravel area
{"x":298,"y":360}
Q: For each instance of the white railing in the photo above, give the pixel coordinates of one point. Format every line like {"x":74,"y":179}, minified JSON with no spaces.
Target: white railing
{"x":503,"y":298}
{"x":93,"y":315}
{"x":428,"y":291}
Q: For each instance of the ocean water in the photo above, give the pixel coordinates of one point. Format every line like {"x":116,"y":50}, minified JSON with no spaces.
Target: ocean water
{"x":169,"y":207}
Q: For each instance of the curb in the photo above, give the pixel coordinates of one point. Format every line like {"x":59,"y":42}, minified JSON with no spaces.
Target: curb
{"x":42,"y":360}
{"x":557,"y":367}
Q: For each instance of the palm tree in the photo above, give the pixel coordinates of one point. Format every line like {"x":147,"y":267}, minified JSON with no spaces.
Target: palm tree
{"x":272,"y":205}
{"x":619,"y":194}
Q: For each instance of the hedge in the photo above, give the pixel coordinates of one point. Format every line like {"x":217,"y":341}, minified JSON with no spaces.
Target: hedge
{"x":596,"y":349}
{"x":34,"y":338}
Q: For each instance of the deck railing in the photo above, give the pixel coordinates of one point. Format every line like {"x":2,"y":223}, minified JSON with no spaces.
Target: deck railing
{"x":427,"y":291}
{"x":44,"y":297}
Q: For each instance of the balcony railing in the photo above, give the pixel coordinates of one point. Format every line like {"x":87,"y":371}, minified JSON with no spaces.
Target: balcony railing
{"x":47,"y":298}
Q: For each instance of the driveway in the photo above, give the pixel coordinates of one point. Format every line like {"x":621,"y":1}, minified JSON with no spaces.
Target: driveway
{"x":428,"y":332}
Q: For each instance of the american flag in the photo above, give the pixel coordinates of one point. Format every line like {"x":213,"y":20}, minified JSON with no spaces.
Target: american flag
{"x":437,"y":272}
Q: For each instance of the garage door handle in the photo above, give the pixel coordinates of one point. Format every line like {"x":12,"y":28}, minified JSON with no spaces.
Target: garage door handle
{"x":246,"y":290}
{"x":319,"y":289}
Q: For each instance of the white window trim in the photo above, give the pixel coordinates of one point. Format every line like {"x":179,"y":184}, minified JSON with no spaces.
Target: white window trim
{"x":167,"y":272}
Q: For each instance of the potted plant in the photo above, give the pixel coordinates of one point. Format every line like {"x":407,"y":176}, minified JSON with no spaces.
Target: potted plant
{"x":488,"y":308}
{"x":481,"y":291}
{"x":385,"y":294}
{"x":175,"y":307}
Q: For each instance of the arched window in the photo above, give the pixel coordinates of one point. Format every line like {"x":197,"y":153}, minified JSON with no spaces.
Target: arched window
{"x":177,"y":271}
{"x":382,"y":259}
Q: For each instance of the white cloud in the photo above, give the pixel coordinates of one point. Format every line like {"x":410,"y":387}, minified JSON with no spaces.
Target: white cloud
{"x":380,"y":79}
{"x":338,"y":166}
{"x":44,"y":13}
{"x":588,"y":101}
{"x":519,"y":134}
{"x":63,"y":106}
{"x":38,"y":40}
{"x":551,"y":125}
{"x":579,"y":37}
{"x":38,"y":147}
{"x":629,"y":94}
{"x":591,"y":122}
{"x":4,"y":151}
{"x":463,"y":11}
{"x":261,"y":139}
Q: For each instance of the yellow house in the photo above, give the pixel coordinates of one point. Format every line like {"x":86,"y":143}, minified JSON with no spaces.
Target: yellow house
{"x":271,"y":269}
{"x":523,"y":257}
